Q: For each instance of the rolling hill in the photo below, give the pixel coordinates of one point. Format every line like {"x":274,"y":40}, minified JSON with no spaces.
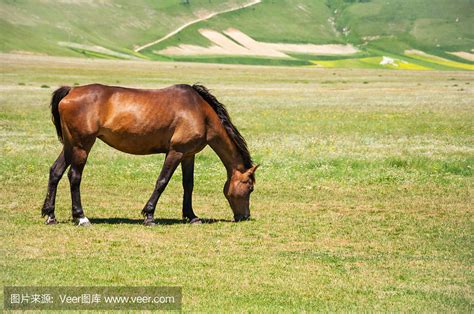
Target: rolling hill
{"x":118,"y":25}
{"x":397,"y":34}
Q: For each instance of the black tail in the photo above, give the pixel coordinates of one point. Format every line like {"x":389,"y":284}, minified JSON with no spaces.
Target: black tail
{"x":58,"y":95}
{"x":230,"y":128}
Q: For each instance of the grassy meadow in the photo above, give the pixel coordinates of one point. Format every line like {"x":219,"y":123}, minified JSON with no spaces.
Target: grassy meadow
{"x":363,"y":200}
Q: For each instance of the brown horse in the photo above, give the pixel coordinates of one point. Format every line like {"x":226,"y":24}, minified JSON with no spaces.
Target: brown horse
{"x":179,"y":121}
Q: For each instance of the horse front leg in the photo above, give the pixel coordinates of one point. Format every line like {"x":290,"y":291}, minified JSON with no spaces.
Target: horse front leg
{"x":172,"y":160}
{"x":55,"y":174}
{"x":187,"y":166}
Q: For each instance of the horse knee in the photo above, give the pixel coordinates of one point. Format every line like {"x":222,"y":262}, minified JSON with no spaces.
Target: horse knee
{"x":161,"y":184}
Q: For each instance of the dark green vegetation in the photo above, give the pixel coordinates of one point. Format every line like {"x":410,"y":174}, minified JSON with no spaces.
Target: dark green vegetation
{"x":432,"y":26}
{"x":363,"y":200}
{"x":376,"y":27}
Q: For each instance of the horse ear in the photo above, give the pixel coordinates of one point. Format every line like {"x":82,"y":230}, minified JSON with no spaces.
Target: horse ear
{"x":253,"y":169}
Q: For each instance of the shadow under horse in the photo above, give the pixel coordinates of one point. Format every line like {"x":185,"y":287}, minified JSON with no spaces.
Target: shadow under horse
{"x":178,"y":121}
{"x":160,"y":221}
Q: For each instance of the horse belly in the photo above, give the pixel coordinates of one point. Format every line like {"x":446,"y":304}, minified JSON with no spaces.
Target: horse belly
{"x":135,"y":135}
{"x":136,"y":144}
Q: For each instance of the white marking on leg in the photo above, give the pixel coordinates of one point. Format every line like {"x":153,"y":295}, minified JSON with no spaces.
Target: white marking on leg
{"x":50,"y":220}
{"x":84,"y":221}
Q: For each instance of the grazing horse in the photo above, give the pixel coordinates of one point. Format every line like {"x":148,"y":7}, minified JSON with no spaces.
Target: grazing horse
{"x":178,"y":121}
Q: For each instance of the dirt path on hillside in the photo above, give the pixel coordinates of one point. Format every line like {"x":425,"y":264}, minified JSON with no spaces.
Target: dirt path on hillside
{"x":253,"y":2}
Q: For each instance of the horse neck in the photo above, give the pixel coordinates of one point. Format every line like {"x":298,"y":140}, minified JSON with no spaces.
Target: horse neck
{"x":228,"y":153}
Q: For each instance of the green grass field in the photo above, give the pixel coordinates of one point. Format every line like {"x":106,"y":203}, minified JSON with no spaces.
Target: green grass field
{"x":363,"y":201}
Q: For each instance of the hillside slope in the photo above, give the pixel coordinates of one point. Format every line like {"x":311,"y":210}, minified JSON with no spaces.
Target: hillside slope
{"x":437,"y":25}
{"x":377,"y":28}
{"x":401,"y":34}
{"x":119,"y":25}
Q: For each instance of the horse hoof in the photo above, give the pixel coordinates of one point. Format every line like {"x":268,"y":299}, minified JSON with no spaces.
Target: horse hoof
{"x":83,"y":222}
{"x":51,"y":221}
{"x":195,"y":221}
{"x":149,"y":222}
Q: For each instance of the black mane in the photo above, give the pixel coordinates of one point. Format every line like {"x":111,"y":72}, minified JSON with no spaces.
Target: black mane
{"x":230,"y":128}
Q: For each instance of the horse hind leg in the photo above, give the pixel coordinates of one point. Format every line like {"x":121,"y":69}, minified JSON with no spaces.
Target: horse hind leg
{"x":55,"y":174}
{"x":78,"y":161}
